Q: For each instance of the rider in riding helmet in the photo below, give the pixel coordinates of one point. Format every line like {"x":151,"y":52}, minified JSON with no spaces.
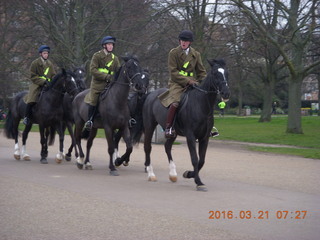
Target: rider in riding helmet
{"x":104,"y":64}
{"x":185,"y":68}
{"x":42,"y":71}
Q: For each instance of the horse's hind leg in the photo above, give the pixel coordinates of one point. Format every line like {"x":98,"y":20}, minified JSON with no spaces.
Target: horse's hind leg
{"x":68,"y":154}
{"x":173,"y":176}
{"x":24,"y":155}
{"x":17,"y":153}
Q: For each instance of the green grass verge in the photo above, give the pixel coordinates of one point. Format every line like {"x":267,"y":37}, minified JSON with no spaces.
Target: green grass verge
{"x":249,"y":129}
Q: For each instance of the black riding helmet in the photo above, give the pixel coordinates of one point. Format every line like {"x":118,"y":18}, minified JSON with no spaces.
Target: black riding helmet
{"x":108,"y":39}
{"x":44,"y":48}
{"x":186,"y":35}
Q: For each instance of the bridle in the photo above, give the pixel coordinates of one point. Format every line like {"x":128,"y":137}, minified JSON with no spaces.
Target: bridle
{"x":130,"y":79}
{"x":217,"y":90}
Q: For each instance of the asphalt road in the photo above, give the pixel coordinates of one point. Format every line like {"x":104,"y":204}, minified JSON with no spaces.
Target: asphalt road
{"x":250,"y":196}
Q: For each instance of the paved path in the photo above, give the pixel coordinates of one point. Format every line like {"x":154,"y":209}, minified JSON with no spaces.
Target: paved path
{"x":58,"y":201}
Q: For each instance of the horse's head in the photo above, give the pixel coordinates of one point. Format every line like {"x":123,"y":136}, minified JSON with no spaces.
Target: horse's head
{"x":69,"y":82}
{"x":138,"y":78}
{"x":80,"y":76}
{"x":220,"y":74}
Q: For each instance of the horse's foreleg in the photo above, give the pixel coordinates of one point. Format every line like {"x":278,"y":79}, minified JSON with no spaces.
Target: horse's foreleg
{"x":93,"y":133}
{"x":60,"y":154}
{"x":147,"y":149}
{"x":44,"y":146}
{"x":173,"y":176}
{"x":203,"y":146}
{"x":195,"y":163}
{"x":77,"y":136}
{"x":24,"y":155}
{"x":73,"y":143}
{"x":125,"y":158}
{"x":116,"y":155}
{"x":111,"y":145}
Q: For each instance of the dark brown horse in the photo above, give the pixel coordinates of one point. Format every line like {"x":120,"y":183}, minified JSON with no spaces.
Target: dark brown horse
{"x":113,"y":113}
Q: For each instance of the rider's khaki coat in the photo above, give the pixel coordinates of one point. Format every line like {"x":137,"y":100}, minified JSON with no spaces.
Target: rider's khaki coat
{"x":177,"y":83}
{"x":37,"y":70}
{"x":99,"y":79}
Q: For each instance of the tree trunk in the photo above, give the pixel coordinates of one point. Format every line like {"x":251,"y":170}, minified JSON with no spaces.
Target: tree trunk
{"x":294,"y":108}
{"x":267,"y":102}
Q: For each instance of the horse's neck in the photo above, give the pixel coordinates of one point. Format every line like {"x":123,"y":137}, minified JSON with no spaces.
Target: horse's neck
{"x":54,"y":95}
{"x":121,"y":88}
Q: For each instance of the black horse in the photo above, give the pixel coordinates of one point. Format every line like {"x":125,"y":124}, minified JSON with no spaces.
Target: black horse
{"x":113,"y":110}
{"x":194,"y":120}
{"x":135,"y":103}
{"x":68,"y":121}
{"x":48,"y":113}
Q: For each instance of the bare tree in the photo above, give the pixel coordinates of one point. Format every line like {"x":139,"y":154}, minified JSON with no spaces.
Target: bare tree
{"x":298,"y":26}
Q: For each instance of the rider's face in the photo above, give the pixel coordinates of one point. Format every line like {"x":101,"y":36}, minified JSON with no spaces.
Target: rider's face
{"x":45,"y":55}
{"x":184,"y":44}
{"x":109,"y":47}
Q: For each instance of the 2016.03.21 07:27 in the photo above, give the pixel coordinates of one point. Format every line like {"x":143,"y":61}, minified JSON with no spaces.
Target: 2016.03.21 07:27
{"x":260,"y":214}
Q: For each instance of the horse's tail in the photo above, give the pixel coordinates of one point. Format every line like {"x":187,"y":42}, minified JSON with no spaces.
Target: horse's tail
{"x":138,"y":129}
{"x":52,"y":134}
{"x":8,"y":126}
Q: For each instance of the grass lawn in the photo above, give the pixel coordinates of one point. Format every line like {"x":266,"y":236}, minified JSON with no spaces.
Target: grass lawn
{"x":248,"y":129}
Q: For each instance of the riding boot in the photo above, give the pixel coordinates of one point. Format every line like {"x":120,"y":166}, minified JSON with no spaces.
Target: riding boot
{"x":91,"y":111}
{"x":169,"y":131}
{"x":28,"y":113}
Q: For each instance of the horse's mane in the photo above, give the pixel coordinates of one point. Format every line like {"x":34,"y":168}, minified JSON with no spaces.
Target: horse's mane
{"x":58,"y":76}
{"x":125,"y":59}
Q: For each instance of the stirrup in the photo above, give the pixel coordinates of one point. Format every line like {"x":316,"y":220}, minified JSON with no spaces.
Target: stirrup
{"x":214,"y":134}
{"x":170,"y":132}
{"x":88,"y":125}
{"x":26,"y":121}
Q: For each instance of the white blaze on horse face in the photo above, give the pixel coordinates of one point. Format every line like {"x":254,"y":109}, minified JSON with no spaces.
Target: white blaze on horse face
{"x":221,"y":70}
{"x":73,"y":80}
{"x":143,"y":76}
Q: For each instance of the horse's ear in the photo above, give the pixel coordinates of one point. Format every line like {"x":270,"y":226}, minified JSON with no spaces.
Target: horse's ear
{"x":211,"y":61}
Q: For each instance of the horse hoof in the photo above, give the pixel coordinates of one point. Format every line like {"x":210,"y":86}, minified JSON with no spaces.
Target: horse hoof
{"x":117,"y":162}
{"x":152,"y":179}
{"x":185,"y":174}
{"x":126,"y":164}
{"x":88,"y":167}
{"x":58,"y":160}
{"x":202,"y":188}
{"x":44,"y":161}
{"x":68,"y":158}
{"x":26,"y":158}
{"x":16,"y":156}
{"x":173,"y":178}
{"x":79,"y":165}
{"x":114,"y":173}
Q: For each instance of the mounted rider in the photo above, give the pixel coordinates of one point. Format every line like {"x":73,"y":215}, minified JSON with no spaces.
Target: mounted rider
{"x":185,"y":68}
{"x":104,"y":64}
{"x":42,"y":71}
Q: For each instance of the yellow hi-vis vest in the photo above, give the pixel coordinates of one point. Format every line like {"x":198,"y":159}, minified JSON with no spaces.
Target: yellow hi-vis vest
{"x":45,"y":75}
{"x":184,"y":73}
{"x":106,"y":69}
